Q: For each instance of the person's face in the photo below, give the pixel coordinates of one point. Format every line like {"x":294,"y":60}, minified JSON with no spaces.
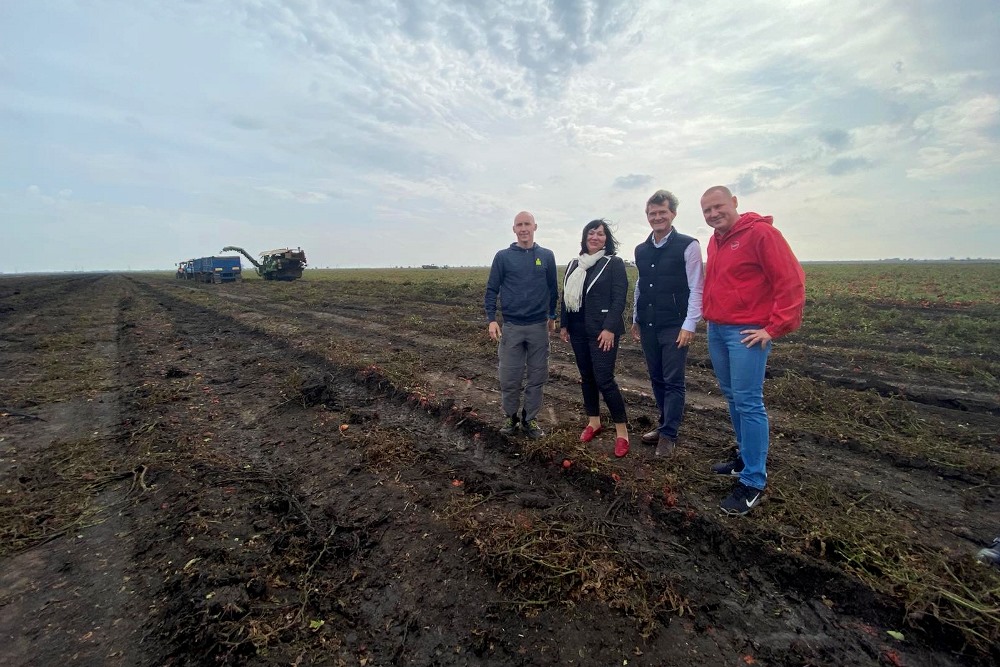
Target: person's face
{"x":596,"y":238}
{"x":524,"y":229}
{"x":660,"y":218}
{"x":719,"y":211}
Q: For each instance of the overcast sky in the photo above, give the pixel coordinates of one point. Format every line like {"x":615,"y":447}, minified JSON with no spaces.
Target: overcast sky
{"x":134,"y":133}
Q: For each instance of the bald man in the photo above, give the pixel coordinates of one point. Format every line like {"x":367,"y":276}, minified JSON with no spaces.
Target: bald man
{"x":754,"y":293}
{"x":523,"y":278}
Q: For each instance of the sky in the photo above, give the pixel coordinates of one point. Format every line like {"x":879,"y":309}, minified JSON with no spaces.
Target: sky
{"x":135,"y":134}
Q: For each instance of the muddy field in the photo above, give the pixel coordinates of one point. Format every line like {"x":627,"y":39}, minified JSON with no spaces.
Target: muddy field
{"x":312,"y":473}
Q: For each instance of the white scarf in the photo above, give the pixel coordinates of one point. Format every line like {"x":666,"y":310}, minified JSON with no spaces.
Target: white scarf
{"x":573,"y":289}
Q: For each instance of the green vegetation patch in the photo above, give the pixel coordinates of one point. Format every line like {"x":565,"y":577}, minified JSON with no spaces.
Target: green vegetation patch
{"x":864,"y":534}
{"x":923,"y":284}
{"x":886,"y":425}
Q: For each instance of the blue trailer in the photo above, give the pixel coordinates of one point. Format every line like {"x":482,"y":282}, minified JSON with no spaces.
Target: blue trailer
{"x":212,"y":269}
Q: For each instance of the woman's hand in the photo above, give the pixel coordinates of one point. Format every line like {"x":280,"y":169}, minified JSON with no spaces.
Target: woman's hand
{"x":605,"y":340}
{"x":564,"y":334}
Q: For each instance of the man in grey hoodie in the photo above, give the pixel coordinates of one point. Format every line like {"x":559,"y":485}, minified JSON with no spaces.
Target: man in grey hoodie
{"x":523,"y":277}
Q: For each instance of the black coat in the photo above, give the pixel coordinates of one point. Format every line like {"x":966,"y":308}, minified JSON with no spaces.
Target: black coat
{"x":604,"y":294}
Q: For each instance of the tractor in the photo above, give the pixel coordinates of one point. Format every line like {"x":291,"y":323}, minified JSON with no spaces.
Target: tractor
{"x":280,"y":264}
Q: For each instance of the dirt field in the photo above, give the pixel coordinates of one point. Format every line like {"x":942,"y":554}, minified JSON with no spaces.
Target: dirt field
{"x":312,"y":473}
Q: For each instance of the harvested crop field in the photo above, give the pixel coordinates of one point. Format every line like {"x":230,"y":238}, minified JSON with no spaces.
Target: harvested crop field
{"x":312,"y":473}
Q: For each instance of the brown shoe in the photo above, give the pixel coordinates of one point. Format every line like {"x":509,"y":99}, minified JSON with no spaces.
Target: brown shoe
{"x":665,"y":446}
{"x":651,"y":438}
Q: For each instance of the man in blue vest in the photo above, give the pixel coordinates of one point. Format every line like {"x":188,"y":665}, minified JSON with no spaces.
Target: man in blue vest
{"x":666,"y":310}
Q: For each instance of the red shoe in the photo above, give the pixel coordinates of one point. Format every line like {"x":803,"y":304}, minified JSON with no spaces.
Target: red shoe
{"x":621,"y":447}
{"x":589,"y":433}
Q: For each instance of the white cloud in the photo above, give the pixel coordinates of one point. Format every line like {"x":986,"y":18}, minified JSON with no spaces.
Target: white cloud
{"x":304,"y":197}
{"x":298,"y":122}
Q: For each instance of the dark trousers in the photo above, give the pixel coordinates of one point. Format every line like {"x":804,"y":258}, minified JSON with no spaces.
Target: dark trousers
{"x":665,"y":363}
{"x":597,"y":372}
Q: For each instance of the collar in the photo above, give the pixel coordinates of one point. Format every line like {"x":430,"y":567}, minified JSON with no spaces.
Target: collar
{"x":664,"y":240}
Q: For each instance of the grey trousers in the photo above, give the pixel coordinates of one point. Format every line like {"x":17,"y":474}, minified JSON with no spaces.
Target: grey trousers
{"x":524,"y":358}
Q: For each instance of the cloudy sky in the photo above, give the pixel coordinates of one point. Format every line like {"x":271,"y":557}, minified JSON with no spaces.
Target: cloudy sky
{"x":137,"y":133}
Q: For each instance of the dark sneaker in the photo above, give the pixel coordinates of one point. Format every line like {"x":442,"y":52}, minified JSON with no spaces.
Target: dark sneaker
{"x":734,"y":467}
{"x":532,"y":429}
{"x":990,"y":556}
{"x":651,"y":438}
{"x":510,"y":426}
{"x":743,"y":499}
{"x":665,"y":446}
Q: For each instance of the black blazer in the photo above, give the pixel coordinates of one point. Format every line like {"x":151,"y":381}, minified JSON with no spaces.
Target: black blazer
{"x":604,"y":293}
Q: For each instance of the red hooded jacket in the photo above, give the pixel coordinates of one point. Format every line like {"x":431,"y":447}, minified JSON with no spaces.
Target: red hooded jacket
{"x":753,"y":278}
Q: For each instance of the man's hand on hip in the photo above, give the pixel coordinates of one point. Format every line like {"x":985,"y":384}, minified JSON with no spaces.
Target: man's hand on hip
{"x":754,"y":336}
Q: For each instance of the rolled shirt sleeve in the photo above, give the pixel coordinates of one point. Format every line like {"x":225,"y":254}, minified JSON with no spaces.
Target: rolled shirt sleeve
{"x":695,"y":271}
{"x":635,"y":303}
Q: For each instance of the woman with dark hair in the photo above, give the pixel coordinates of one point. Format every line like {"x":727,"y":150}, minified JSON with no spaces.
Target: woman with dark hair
{"x":593,"y":306}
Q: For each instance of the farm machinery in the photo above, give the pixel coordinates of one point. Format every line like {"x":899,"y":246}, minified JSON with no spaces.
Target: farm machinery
{"x":280,"y":264}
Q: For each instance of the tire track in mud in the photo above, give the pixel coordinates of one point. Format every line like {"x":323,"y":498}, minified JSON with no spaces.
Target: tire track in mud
{"x":949,"y":398}
{"x":362,"y":324}
{"x":884,"y":381}
{"x":414,"y":496}
{"x":64,"y":594}
{"x":914,"y":485}
{"x":711,"y":563}
{"x":796,"y":447}
{"x":20,"y":308}
{"x":364,"y":492}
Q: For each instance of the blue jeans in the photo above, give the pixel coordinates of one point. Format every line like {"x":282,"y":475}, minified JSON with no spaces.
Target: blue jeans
{"x":665,"y":363}
{"x":740,"y":372}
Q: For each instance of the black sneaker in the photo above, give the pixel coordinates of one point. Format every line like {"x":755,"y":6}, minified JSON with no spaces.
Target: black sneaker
{"x":734,"y":467}
{"x":533,"y":430}
{"x":990,"y":556}
{"x":743,"y":499}
{"x":510,"y":426}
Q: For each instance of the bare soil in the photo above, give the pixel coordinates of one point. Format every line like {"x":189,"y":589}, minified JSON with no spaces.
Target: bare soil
{"x":233,"y":474}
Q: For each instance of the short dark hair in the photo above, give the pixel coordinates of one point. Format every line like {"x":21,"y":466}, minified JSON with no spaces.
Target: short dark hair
{"x":663,"y":197}
{"x":610,"y":243}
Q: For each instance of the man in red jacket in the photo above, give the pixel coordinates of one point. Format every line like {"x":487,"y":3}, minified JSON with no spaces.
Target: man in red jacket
{"x":754,"y":293}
